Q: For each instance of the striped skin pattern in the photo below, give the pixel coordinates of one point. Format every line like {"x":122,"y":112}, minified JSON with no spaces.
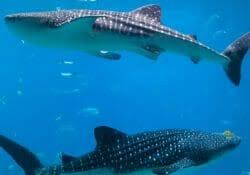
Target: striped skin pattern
{"x":161,"y":152}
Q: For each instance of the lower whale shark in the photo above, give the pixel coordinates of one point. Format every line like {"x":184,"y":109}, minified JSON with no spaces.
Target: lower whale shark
{"x":160,"y":152}
{"x":104,"y":33}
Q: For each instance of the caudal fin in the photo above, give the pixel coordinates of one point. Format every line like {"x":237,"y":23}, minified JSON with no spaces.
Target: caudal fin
{"x":236,"y":52}
{"x":22,"y":156}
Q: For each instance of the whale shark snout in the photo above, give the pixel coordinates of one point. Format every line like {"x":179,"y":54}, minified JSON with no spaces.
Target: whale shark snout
{"x":53,"y":30}
{"x":231,"y":140}
{"x":41,"y":29}
{"x":28,"y":28}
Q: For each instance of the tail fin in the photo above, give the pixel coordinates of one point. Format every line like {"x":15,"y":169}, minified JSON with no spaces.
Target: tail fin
{"x":23,"y":157}
{"x":236,"y":52}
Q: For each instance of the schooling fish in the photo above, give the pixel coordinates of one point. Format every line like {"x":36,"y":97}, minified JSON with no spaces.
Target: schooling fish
{"x":159,"y":152}
{"x":103,"y":33}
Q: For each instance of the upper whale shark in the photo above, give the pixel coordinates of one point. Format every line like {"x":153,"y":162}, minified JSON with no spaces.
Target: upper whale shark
{"x":160,"y":152}
{"x":104,"y":33}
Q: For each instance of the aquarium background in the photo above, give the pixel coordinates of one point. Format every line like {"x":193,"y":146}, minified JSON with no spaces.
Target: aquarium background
{"x":51,"y":100}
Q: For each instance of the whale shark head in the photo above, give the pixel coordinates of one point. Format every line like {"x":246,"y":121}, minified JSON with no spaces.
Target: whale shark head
{"x":229,"y":140}
{"x":28,"y":28}
{"x":212,"y":146}
{"x":57,"y":29}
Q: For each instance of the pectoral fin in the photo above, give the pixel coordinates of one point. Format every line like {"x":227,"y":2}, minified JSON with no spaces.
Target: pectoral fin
{"x":153,"y":48}
{"x":108,"y":55}
{"x":166,"y":170}
{"x":150,"y":51}
{"x":195,"y":60}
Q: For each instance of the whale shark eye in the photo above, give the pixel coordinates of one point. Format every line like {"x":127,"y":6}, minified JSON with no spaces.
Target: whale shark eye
{"x":228,"y":134}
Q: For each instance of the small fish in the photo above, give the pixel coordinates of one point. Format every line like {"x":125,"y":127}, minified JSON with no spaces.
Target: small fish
{"x":66,"y":74}
{"x":68,"y":62}
{"x":117,"y":153}
{"x":3,"y":100}
{"x":19,"y":92}
{"x":90,"y":111}
{"x":104,"y":33}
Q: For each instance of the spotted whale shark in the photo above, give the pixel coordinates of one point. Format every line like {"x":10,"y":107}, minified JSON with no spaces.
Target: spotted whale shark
{"x":160,"y":152}
{"x":105,"y":33}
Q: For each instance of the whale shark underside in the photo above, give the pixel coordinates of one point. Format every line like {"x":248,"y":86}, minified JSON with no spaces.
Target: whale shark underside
{"x":104,"y":33}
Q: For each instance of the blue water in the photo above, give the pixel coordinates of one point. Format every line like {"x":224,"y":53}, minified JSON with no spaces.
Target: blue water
{"x":50,"y":113}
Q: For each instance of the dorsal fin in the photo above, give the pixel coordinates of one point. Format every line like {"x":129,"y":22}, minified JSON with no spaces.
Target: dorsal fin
{"x":150,"y":51}
{"x":107,"y":136}
{"x":67,"y":158}
{"x":151,"y":11}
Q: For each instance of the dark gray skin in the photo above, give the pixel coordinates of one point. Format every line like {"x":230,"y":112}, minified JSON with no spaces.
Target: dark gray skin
{"x":159,"y":152}
{"x":104,"y":33}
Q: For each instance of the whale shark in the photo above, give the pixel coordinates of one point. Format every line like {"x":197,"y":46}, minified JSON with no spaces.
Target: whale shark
{"x":161,"y":152}
{"x":106,"y":33}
